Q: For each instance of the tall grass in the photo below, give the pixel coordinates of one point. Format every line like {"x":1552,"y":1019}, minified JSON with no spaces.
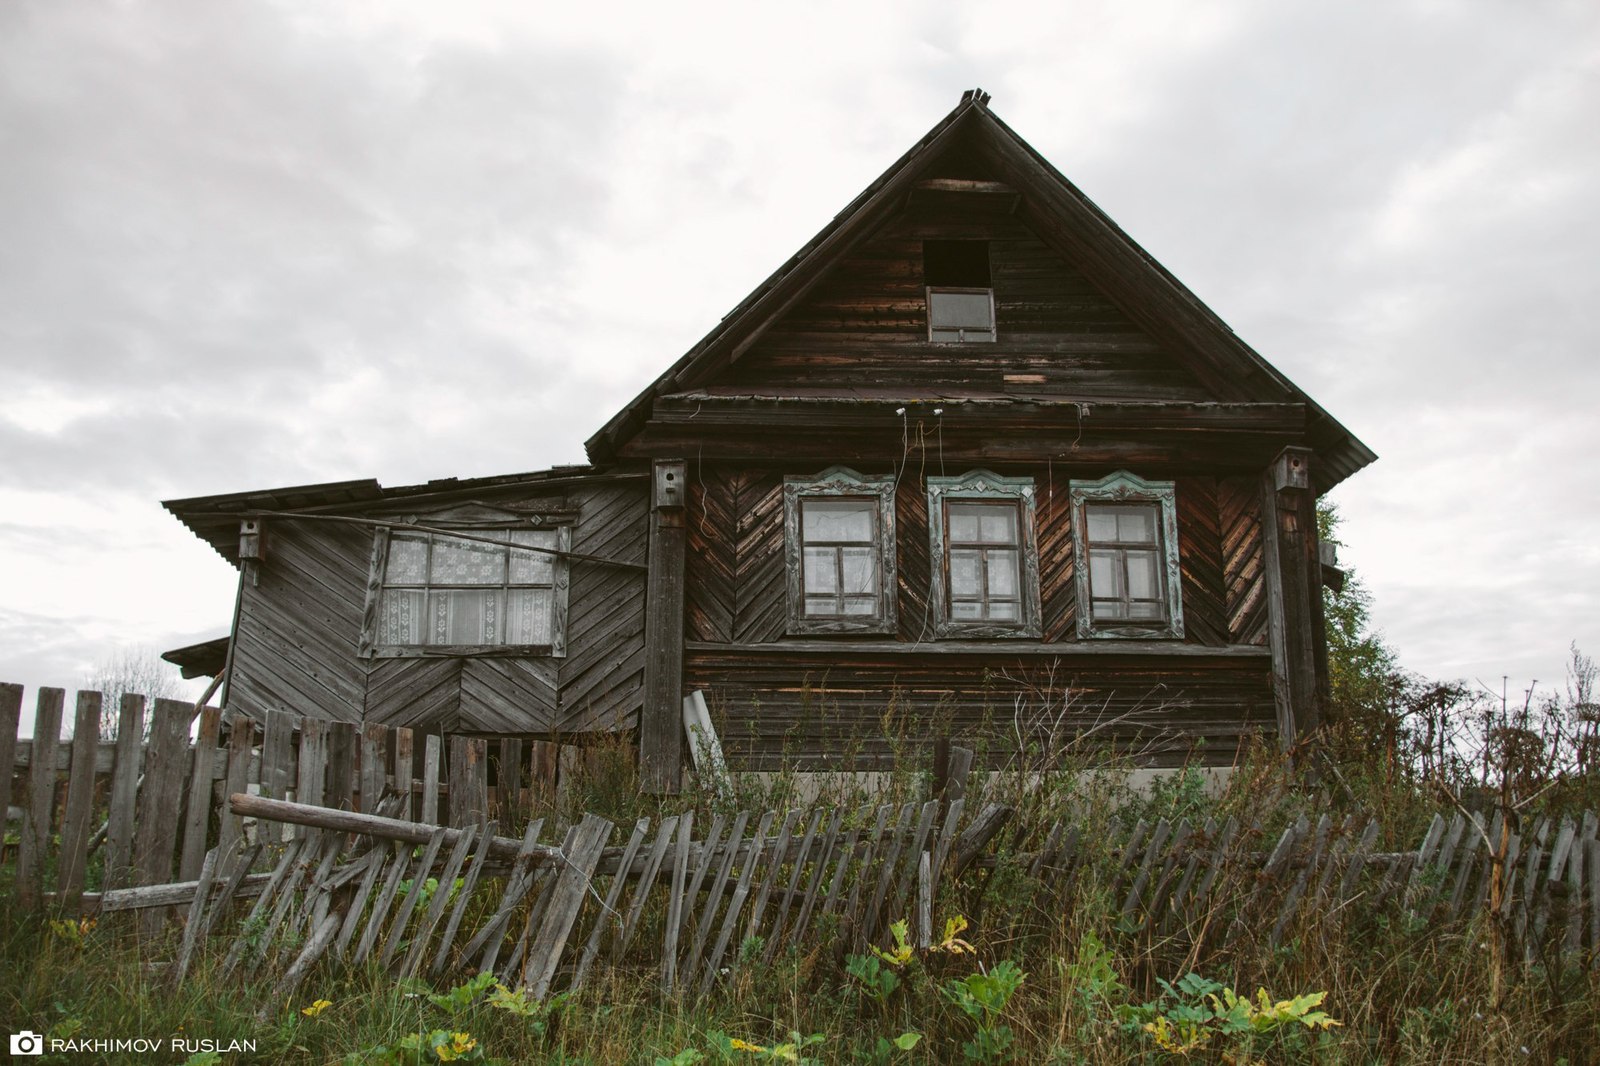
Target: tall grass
{"x":1402,"y":990}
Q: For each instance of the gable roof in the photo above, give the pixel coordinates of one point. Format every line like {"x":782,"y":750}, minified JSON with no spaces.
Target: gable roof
{"x":1063,"y":217}
{"x":215,"y":519}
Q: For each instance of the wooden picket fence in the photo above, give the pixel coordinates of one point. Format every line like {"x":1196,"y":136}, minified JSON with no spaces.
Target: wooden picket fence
{"x":156,"y":804}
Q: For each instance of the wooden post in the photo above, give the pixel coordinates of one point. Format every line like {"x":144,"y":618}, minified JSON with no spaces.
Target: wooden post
{"x":197,"y":818}
{"x":340,"y":780}
{"x":661,"y":721}
{"x":74,"y":858}
{"x":10,"y":714}
{"x":1294,"y":594}
{"x":40,"y":812}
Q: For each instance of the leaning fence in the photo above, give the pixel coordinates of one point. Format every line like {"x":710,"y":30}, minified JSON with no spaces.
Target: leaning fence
{"x":206,"y":830}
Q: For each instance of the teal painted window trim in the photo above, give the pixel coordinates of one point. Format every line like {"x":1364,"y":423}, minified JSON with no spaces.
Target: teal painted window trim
{"x":983,"y":486}
{"x":1124,"y":487}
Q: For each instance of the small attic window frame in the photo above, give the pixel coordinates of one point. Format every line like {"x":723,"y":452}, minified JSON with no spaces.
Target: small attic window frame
{"x":959,"y":292}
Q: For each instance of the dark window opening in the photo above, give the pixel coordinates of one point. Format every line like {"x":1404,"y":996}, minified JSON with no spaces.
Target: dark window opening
{"x":963,"y":264}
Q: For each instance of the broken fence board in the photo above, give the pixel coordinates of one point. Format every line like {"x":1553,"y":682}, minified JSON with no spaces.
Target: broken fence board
{"x":572,"y":885}
{"x":73,"y":859}
{"x":197,"y":816}
{"x":39,"y":814}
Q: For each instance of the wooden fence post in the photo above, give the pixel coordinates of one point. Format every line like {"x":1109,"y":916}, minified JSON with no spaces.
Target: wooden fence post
{"x":10,"y":715}
{"x":197,"y":819}
{"x":74,"y":859}
{"x":40,"y":811}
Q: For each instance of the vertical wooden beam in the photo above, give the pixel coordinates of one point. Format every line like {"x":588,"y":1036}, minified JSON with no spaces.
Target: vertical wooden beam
{"x":197,"y":820}
{"x":38,"y":815}
{"x":1294,"y":594}
{"x":10,"y":715}
{"x":341,"y":766}
{"x":74,"y":858}
{"x":661,"y":720}
{"x":241,"y":738}
{"x":374,"y":772}
{"x":430,"y":780}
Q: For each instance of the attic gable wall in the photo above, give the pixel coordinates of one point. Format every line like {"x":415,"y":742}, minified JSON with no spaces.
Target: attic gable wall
{"x":865,"y":322}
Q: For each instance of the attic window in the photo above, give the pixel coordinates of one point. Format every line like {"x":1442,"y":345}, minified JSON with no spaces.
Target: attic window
{"x":960,"y":293}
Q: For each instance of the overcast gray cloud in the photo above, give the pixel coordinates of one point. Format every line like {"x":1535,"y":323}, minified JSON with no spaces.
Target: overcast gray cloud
{"x":257,"y":244}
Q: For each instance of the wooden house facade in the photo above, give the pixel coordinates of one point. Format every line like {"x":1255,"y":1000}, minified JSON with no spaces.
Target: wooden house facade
{"x":970,"y":463}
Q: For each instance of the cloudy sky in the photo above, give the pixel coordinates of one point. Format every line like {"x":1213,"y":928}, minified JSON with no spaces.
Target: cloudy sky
{"x":245,"y":245}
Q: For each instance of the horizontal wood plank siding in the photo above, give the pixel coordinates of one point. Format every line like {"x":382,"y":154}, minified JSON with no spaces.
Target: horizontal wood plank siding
{"x":838,"y":711}
{"x":865,"y":321}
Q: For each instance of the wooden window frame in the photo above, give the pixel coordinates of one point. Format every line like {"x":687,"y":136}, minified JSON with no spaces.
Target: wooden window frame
{"x":1126,"y":487}
{"x":964,"y":290}
{"x":983,"y":486}
{"x":370,"y":647}
{"x":837,"y":483}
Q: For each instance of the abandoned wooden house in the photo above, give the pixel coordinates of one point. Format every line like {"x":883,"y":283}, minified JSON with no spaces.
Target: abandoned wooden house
{"x":971,"y":462}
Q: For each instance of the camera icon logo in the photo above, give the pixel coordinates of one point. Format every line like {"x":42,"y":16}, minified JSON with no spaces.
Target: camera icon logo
{"x":26,"y":1042}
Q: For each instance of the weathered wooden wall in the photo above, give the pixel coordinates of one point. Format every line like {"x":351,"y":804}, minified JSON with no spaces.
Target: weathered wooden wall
{"x":866,"y":321}
{"x":833,"y":707}
{"x":779,"y":700}
{"x":297,"y":642}
{"x":736,"y":583}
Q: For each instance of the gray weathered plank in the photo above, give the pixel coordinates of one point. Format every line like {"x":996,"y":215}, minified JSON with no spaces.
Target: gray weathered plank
{"x":197,"y":816}
{"x":752,"y":859}
{"x":73,"y":860}
{"x":38,"y":816}
{"x":572,"y":885}
{"x":608,"y":917}
{"x":430,"y":780}
{"x":463,"y":898}
{"x":419,"y":881}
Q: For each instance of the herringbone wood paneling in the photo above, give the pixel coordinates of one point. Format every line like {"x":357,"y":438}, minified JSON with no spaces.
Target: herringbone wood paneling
{"x":1239,"y":515}
{"x":1200,"y":560}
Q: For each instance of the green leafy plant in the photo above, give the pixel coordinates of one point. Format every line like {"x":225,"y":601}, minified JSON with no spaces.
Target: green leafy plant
{"x":1197,"y":1012}
{"x":464,"y":995}
{"x":983,"y":997}
{"x":885,"y":1049}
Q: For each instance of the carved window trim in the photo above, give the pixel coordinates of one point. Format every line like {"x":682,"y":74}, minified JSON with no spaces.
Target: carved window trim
{"x":837,"y":483}
{"x":478,"y":523}
{"x":1125,"y":487}
{"x":983,"y":486}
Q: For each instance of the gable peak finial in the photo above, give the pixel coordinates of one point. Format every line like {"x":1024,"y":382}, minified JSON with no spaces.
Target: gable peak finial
{"x":976,"y":96}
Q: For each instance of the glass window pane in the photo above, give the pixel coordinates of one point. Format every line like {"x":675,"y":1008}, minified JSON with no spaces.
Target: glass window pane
{"x":1002,"y":611}
{"x":528,"y":616}
{"x":965,"y":567}
{"x":957,"y":310}
{"x":821,"y":570}
{"x":963,"y":523}
{"x":1003,"y":573}
{"x":847,"y":520}
{"x":1108,"y":610}
{"x":821,"y":605}
{"x":1137,"y":525}
{"x":1102,"y":574}
{"x":1143,"y":584}
{"x":401,"y":614}
{"x":408,"y":559}
{"x":860,"y":570}
{"x":465,"y":562}
{"x":532,"y":568}
{"x":1102,"y":522}
{"x":969,"y":610}
{"x":998,"y":524}
{"x":857,"y":605}
{"x":464,"y":616}
{"x":1147,"y":611}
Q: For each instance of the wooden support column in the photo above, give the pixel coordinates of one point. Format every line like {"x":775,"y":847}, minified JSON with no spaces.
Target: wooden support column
{"x":661,"y":721}
{"x":1294,"y":594}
